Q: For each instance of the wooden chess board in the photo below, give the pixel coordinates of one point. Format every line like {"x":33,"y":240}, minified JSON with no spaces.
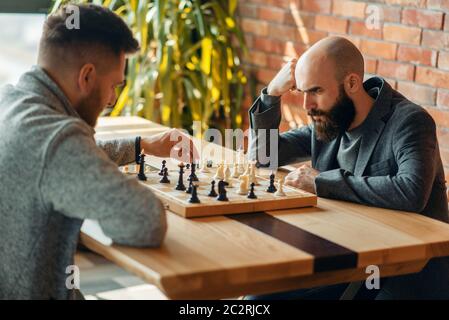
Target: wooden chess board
{"x":177,"y":201}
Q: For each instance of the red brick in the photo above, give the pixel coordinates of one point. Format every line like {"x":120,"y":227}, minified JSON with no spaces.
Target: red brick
{"x":446,"y":22}
{"x":443,"y":60}
{"x":318,"y":6}
{"x":423,"y":18}
{"x":299,"y":19}
{"x":402,"y":34}
{"x":438,"y":4}
{"x":265,"y":75}
{"x":435,"y":39}
{"x":443,"y":98}
{"x":331,"y":24}
{"x":396,"y":70}
{"x":359,"y":28}
{"x":275,"y":62}
{"x":275,"y":3}
{"x":370,"y":65}
{"x":379,"y":49}
{"x":441,"y":117}
{"x":268,"y":45}
{"x":257,"y":58}
{"x":432,"y":76}
{"x":282,"y":32}
{"x":294,"y":48}
{"x":257,"y":27}
{"x":411,"y":3}
{"x":417,"y":55}
{"x":391,"y":14}
{"x":443,"y":138}
{"x":272,"y":14}
{"x":417,"y":93}
{"x":308,"y":37}
{"x":349,"y":8}
{"x":247,"y":10}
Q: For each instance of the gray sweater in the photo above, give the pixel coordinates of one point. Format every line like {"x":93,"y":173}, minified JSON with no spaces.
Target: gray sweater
{"x":53,"y":176}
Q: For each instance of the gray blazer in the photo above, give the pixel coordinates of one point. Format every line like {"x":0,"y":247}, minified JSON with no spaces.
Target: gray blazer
{"x":398,"y":167}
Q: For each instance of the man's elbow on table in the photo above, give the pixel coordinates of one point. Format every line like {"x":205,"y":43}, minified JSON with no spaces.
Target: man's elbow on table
{"x":146,"y":229}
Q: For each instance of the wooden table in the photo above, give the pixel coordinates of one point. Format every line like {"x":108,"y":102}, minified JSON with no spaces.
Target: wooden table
{"x":228,"y":256}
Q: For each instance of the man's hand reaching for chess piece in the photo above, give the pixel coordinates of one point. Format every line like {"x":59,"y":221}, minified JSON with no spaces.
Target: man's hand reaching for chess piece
{"x":171,"y":143}
{"x":303,"y":178}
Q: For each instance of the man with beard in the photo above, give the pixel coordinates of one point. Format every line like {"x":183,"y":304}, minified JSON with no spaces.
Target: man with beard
{"x":54,"y":174}
{"x":367,"y":144}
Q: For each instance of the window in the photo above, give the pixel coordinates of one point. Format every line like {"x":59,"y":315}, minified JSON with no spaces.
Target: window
{"x":19,"y":38}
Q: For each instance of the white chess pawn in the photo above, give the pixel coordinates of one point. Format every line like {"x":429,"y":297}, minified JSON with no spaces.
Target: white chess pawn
{"x":204,"y":168}
{"x":125,"y":169}
{"x":219,"y":175}
{"x":235,"y":171}
{"x":243,"y":188}
{"x":280,"y":191}
{"x":252,"y":175}
{"x":227,"y":177}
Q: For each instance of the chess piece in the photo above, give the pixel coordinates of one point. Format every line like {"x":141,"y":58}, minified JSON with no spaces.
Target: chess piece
{"x":164,"y":177}
{"x":209,"y":163}
{"x":141,"y":174}
{"x":222,"y":191}
{"x":219,"y":175}
{"x":180,"y":186}
{"x":189,"y":189}
{"x":252,"y":174}
{"x":125,"y":169}
{"x":194,"y":198}
{"x":192,"y":175}
{"x":161,"y":173}
{"x":204,"y":168}
{"x":280,"y":192}
{"x":243,"y":188}
{"x":227,"y":177}
{"x":251,"y":194}
{"x":235,"y":171}
{"x":271,"y":188}
{"x":212,"y":192}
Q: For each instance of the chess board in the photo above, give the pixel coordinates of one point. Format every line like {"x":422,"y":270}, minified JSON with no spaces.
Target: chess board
{"x":178,"y":201}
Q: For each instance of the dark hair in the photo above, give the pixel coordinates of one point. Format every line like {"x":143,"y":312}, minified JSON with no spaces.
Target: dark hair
{"x":98,"y":26}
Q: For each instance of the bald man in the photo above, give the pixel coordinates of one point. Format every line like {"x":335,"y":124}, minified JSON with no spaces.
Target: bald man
{"x":367,"y":144}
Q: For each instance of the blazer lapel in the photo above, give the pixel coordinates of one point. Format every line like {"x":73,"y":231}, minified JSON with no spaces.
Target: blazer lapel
{"x":327,"y":155}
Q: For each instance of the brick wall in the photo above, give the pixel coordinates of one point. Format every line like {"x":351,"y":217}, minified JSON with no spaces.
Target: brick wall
{"x":410,"y":48}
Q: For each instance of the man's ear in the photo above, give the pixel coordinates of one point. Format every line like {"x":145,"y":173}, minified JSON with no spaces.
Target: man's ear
{"x":86,"y":78}
{"x":353,"y":83}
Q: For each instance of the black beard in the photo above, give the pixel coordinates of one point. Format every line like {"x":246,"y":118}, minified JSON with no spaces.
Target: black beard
{"x":337,"y":120}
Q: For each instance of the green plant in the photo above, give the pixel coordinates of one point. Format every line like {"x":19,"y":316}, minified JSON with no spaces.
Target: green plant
{"x":188,"y":68}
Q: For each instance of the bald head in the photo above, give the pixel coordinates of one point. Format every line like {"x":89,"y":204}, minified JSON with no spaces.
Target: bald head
{"x":336,"y":53}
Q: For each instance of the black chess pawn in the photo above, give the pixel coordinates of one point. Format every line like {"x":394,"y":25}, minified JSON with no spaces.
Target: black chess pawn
{"x":141,"y":176}
{"x":212,"y":192}
{"x":180,"y":186}
{"x":222,"y":191}
{"x":164,"y":177}
{"x":192,"y":175}
{"x":251,"y":194}
{"x":161,"y":173}
{"x":271,"y":188}
{"x":194,"y":198}
{"x":209,"y":163}
{"x":189,"y":189}
{"x":188,"y":166}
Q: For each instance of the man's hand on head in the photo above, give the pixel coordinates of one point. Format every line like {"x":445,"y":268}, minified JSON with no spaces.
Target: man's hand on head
{"x":173,"y":143}
{"x":284,"y":79}
{"x":303,"y":178}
